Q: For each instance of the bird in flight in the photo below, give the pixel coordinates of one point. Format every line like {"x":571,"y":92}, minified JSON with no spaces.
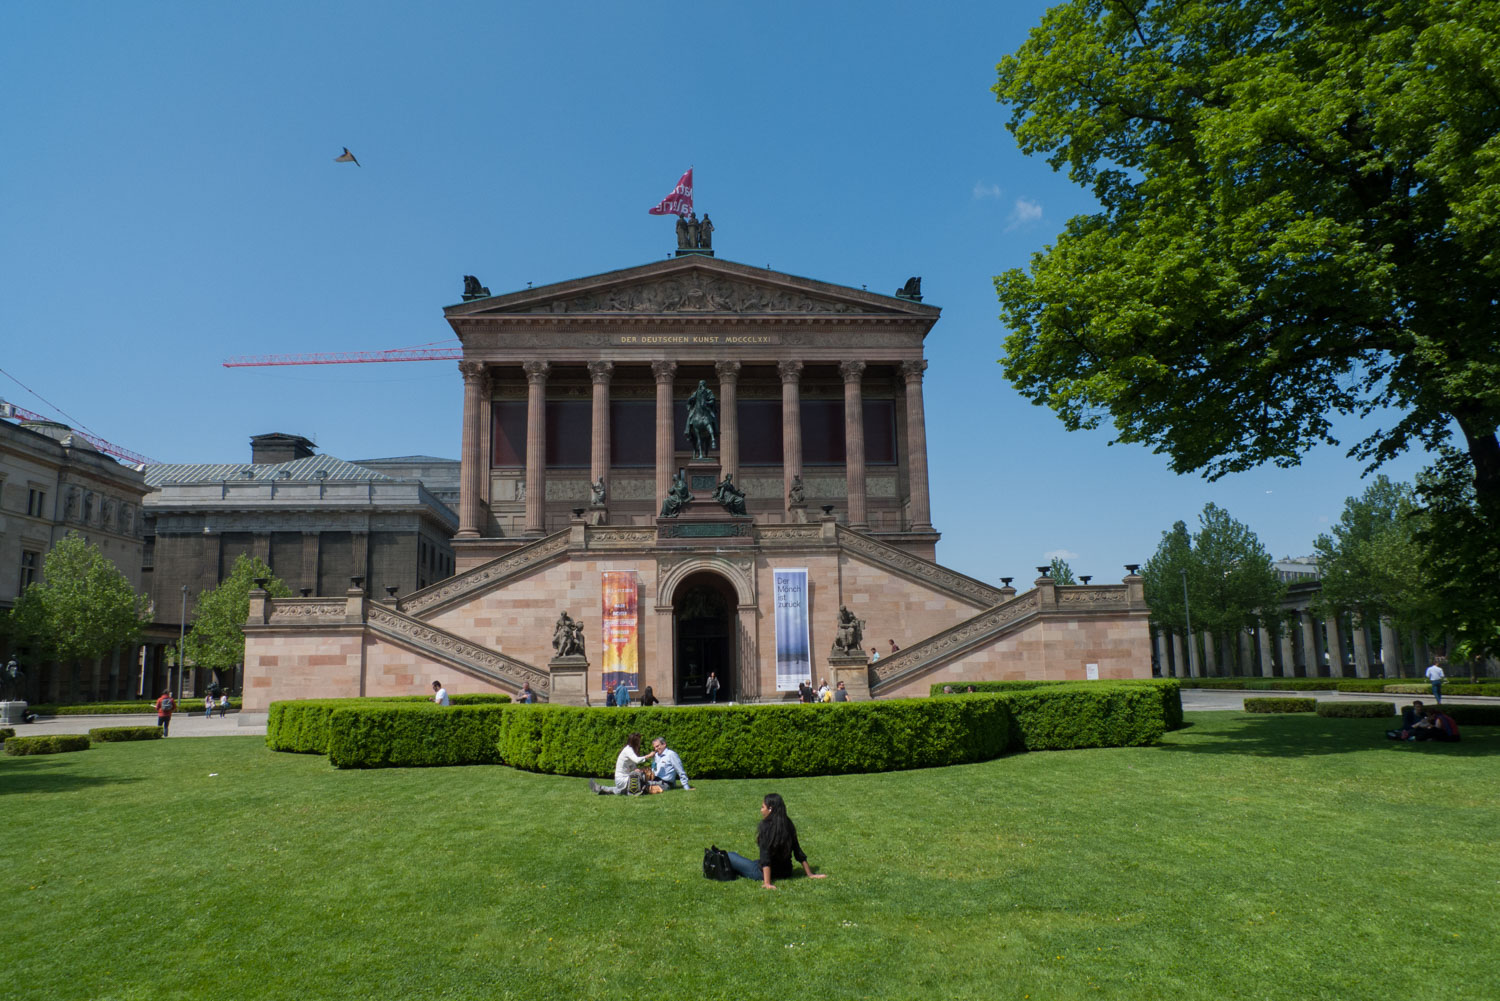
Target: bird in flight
{"x":347,"y":157}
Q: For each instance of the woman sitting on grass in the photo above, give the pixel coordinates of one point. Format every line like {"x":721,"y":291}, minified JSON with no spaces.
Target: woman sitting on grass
{"x":776,"y":837}
{"x":630,"y":756}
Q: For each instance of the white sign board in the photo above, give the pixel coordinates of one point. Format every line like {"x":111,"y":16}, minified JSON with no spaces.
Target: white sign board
{"x":1091,"y":671}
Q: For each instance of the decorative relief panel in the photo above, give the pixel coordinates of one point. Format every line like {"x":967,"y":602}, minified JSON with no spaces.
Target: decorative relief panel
{"x":569,"y":489}
{"x":1095,"y":597}
{"x":618,"y":537}
{"x":697,"y":292}
{"x":923,"y":570}
{"x":455,"y":648}
{"x":632,"y":489}
{"x":307,"y":611}
{"x":783,"y":534}
{"x":487,"y":575}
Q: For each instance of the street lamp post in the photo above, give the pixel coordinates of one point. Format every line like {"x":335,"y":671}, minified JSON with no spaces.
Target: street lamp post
{"x":181,"y":637}
{"x":1187,"y":613}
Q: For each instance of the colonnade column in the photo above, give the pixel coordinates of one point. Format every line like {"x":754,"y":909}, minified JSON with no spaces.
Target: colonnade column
{"x":470,"y":460}
{"x":729,"y":417}
{"x":1361,"y":648}
{"x":1178,"y":662}
{"x":1288,"y":660}
{"x":1267,"y":659}
{"x":666,"y":427}
{"x":486,"y":440}
{"x":600,"y":372}
{"x":1335,"y":626}
{"x":854,"y":440}
{"x":1210,"y":656}
{"x":1309,"y":644}
{"x":1159,"y":646}
{"x":791,"y":426}
{"x":916,"y":446}
{"x":1390,"y":650}
{"x":536,"y":446}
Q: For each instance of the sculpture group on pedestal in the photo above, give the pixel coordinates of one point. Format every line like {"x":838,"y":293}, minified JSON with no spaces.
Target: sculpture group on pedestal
{"x":849,"y":638}
{"x":702,"y":420}
{"x":567,"y":636}
{"x":695,"y":235}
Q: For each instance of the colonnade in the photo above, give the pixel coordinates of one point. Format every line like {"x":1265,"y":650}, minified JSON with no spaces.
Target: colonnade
{"x":474,"y":474}
{"x":1303,"y":644}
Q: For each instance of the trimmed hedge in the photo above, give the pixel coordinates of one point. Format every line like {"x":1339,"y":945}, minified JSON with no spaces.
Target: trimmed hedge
{"x":1449,"y":688}
{"x":6,"y":732}
{"x":1470,"y":715}
{"x":1356,"y":710}
{"x":52,"y":743}
{"x":408,"y":735}
{"x":1170,"y":689}
{"x":107,"y":734}
{"x":184,"y":705}
{"x":1259,"y":684}
{"x":301,"y":725}
{"x":1287,"y":705}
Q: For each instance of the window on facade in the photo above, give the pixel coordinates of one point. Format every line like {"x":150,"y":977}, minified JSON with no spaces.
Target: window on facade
{"x":88,"y":507}
{"x":880,"y":432}
{"x":31,"y":562}
{"x":508,"y":433}
{"x":822,"y":432}
{"x":760,"y":432}
{"x":632,"y":433}
{"x":36,"y":500}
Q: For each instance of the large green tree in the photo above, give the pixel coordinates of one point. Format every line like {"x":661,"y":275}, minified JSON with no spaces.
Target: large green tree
{"x":81,"y":609}
{"x":1372,"y":563}
{"x":1299,"y":216}
{"x":217,"y":639}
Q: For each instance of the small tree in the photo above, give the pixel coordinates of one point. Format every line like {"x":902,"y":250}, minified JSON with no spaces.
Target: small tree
{"x":217,"y":640}
{"x":1372,"y":564}
{"x":81,"y":609}
{"x":1061,"y":572}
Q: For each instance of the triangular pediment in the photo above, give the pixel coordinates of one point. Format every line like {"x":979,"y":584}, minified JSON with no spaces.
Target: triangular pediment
{"x":692,"y":285}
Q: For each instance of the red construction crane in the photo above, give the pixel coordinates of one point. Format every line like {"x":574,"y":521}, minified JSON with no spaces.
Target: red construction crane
{"x":21,"y":413}
{"x":422,"y":352}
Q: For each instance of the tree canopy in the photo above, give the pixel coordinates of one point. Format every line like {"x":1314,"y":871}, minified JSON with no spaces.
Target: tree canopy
{"x":1061,"y":572}
{"x":1299,"y":216}
{"x":217,"y":639}
{"x":1372,"y":563}
{"x":1230,"y":580}
{"x":82,"y":608}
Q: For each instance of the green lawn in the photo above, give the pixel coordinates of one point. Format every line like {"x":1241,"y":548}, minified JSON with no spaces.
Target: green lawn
{"x":1247,"y":857}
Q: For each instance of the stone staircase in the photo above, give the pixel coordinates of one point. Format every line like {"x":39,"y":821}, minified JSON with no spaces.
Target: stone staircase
{"x":955,"y":641}
{"x":455,"y":651}
{"x":460,"y":587}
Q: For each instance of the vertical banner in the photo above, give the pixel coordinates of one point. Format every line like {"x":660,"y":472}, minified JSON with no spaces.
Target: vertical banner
{"x":621,"y":664}
{"x":793,"y":649}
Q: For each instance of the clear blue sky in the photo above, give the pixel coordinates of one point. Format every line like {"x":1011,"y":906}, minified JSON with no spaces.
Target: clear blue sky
{"x":168,"y":198}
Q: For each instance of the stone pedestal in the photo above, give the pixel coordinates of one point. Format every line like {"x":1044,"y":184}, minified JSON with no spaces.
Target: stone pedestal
{"x":12,"y":713}
{"x":570,"y":680}
{"x":797,"y":513}
{"x":854,"y":671}
{"x":597,"y":514}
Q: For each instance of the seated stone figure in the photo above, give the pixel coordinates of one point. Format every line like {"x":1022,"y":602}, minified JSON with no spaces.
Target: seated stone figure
{"x":729,"y":496}
{"x":677,"y":497}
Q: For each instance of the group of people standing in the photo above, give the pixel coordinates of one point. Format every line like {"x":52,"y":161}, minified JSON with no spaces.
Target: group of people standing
{"x":807,"y":693}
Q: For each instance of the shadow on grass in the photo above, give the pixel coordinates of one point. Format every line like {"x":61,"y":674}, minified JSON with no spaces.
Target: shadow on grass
{"x":1303,"y":735}
{"x":38,"y":774}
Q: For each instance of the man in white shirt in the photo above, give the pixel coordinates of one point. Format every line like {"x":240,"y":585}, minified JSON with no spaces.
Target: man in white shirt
{"x":440,"y":694}
{"x":1436,"y":676}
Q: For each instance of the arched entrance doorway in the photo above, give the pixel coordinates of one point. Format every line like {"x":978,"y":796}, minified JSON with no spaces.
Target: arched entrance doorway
{"x":703,"y":617}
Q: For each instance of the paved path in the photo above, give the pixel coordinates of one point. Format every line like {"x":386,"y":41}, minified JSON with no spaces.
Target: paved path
{"x":1209,"y":699}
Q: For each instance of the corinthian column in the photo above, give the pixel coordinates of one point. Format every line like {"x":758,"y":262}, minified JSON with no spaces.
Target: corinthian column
{"x":665,"y":372}
{"x":600,"y":372}
{"x":471,"y":463}
{"x":729,"y":418}
{"x":536,"y":446}
{"x":854,"y":440}
{"x":791,"y":426}
{"x":916,"y":446}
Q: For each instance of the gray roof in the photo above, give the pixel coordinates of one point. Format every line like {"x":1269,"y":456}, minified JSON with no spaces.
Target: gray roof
{"x":298,"y":469}
{"x":412,"y":459}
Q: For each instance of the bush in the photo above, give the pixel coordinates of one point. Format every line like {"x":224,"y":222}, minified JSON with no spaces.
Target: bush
{"x":1170,"y":689}
{"x":106,"y":734}
{"x":56,"y":743}
{"x":1269,"y":705}
{"x":6,"y":732}
{"x":301,"y":725}
{"x":407,"y":735}
{"x":1449,"y":688}
{"x":1467,"y":715}
{"x":184,"y":705}
{"x":1356,"y":710}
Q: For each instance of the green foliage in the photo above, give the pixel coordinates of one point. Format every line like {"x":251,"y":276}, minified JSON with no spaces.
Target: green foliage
{"x":119,"y":708}
{"x":302,"y":725}
{"x":1090,"y":714}
{"x":1472,"y":715}
{"x":1449,"y":688}
{"x":1061,"y":572}
{"x":1259,"y":684}
{"x":6,"y":732}
{"x":82,"y":608}
{"x":1168,"y":689}
{"x":52,"y":743}
{"x":217,"y":639}
{"x":1460,"y":540}
{"x":109,"y":734}
{"x":413,"y":735}
{"x":1356,"y":710}
{"x":1284,"y":705}
{"x":1371,"y":563}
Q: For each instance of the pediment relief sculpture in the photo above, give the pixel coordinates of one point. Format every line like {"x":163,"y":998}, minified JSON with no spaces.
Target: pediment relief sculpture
{"x":697,"y":293}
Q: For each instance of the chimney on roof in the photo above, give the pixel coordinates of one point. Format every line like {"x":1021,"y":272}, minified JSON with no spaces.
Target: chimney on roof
{"x":269,"y":448}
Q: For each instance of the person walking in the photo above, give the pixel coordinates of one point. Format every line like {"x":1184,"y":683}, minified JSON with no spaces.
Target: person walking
{"x":776,"y":838}
{"x":1437,"y":677}
{"x":711,"y":687}
{"x":440,"y":694}
{"x":208,"y":706}
{"x":223,"y":704}
{"x":164,"y":706}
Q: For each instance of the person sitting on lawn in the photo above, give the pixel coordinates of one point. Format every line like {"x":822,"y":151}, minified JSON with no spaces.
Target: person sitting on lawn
{"x":1440,"y":726}
{"x":776,"y":837}
{"x":630,"y":756}
{"x":667,"y":770}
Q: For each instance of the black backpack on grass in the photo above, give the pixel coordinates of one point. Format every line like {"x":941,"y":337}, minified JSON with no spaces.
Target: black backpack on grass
{"x":716,"y":864}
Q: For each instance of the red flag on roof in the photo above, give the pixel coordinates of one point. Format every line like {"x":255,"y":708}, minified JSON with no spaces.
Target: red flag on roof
{"x":680,"y":201}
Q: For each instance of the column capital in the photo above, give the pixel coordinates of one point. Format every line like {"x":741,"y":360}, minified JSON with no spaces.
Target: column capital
{"x":912,"y":371}
{"x":601,"y":371}
{"x":790,"y":371}
{"x":536,"y":371}
{"x":664,"y":371}
{"x":729,"y":371}
{"x":852,"y":371}
{"x":472,"y":371}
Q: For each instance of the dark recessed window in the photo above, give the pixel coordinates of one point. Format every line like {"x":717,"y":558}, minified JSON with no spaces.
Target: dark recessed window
{"x":760,"y":432}
{"x":508,"y":433}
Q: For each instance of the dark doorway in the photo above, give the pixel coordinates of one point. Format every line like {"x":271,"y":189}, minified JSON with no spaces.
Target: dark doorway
{"x":703,"y":614}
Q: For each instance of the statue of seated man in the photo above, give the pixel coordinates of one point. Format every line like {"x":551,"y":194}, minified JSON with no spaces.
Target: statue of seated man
{"x":731,"y":497}
{"x":678,"y":496}
{"x":850,"y":637}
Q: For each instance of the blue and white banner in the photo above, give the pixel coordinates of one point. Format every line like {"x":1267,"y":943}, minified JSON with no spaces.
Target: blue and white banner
{"x":793,"y":649}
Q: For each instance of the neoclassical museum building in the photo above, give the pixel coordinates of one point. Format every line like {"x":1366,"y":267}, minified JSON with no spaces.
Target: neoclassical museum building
{"x":712,"y":468}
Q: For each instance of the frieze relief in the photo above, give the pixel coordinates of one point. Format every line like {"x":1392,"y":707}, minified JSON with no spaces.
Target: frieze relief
{"x":923,"y":570}
{"x":472,"y":655}
{"x":697,"y":293}
{"x":307,"y":610}
{"x":632,"y":489}
{"x":559,"y":489}
{"x":782,"y":534}
{"x":619,"y":537}
{"x":486,"y":575}
{"x":1118,"y":597}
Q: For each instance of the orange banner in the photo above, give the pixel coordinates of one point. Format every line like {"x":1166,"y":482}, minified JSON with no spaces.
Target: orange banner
{"x":621,"y":664}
